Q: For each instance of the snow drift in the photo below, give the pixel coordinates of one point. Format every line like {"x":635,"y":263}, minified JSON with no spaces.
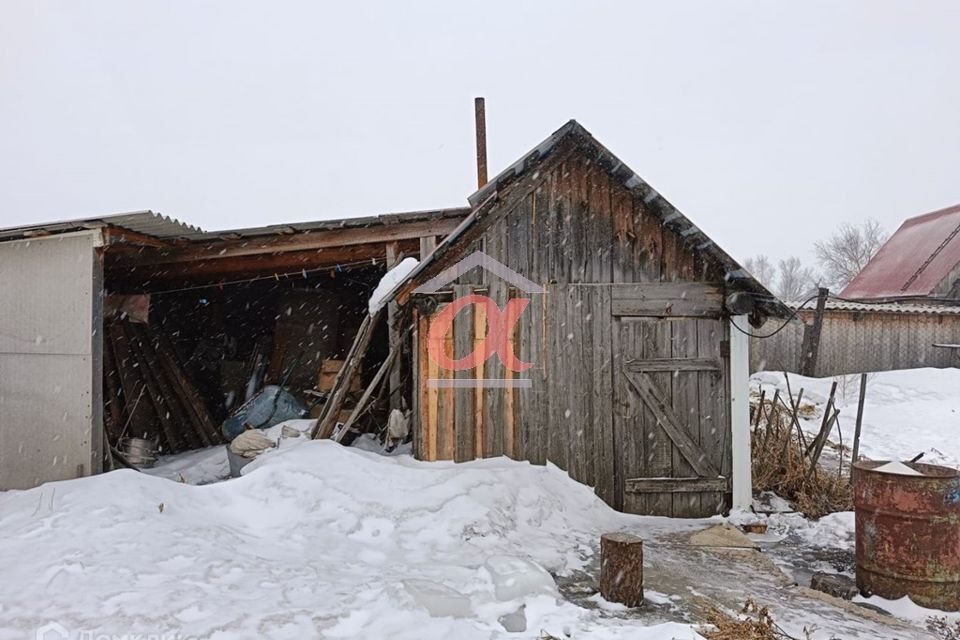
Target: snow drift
{"x":317,"y":540}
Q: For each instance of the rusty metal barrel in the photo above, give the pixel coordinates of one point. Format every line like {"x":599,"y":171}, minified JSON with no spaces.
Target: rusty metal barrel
{"x":908,"y":534}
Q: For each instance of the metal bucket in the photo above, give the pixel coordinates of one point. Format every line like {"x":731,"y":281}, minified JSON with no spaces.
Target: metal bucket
{"x":908,"y":534}
{"x":139,"y":452}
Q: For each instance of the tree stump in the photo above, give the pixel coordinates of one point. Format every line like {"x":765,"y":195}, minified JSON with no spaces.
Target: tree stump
{"x":621,"y":568}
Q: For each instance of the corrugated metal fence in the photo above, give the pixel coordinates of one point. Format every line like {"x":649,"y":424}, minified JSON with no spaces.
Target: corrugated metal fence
{"x":856,"y":341}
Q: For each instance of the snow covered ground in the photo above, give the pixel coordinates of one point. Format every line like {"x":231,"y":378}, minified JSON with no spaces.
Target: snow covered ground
{"x":315,"y":540}
{"x":905,"y":412}
{"x":319,"y":540}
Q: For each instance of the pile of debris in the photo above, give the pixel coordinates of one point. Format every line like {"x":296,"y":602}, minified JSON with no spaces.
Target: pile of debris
{"x":789,"y":464}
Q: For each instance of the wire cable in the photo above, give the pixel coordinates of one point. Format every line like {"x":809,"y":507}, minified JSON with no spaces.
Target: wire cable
{"x":778,"y":329}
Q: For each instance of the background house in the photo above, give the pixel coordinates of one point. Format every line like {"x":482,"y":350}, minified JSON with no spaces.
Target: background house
{"x":904,"y":302}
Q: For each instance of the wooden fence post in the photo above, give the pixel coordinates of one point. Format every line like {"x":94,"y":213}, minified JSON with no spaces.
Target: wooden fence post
{"x":811,"y":337}
{"x":856,"y":434}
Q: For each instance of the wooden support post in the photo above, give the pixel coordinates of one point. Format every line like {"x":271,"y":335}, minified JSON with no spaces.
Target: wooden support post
{"x":621,"y":568}
{"x":811,"y":337}
{"x":396,"y":393}
{"x":856,"y":433}
{"x":427,"y":245}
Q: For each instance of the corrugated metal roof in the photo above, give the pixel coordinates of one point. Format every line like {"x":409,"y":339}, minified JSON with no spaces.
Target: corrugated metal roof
{"x":167,"y":228}
{"x":145,"y":222}
{"x":341,"y":223}
{"x":884,"y":307}
{"x":914,"y":260}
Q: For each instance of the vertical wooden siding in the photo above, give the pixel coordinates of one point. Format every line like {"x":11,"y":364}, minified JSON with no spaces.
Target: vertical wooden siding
{"x":861,"y":342}
{"x":577,"y":234}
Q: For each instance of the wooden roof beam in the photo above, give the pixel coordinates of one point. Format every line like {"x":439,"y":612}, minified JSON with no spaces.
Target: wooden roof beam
{"x":122,"y":276}
{"x":306,"y":241}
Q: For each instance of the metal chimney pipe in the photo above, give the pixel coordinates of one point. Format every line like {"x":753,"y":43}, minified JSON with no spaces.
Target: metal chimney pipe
{"x":481,"y":123}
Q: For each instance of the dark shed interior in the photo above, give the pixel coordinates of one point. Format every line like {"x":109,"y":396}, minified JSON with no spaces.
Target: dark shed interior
{"x":194,"y":329}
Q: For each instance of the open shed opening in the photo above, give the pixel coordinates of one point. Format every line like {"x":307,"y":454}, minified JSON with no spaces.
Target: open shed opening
{"x":174,"y":354}
{"x":194,"y":330}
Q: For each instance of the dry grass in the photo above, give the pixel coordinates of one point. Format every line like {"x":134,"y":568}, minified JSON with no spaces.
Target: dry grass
{"x":753,"y":623}
{"x":779,"y":465}
{"x":944,"y":629}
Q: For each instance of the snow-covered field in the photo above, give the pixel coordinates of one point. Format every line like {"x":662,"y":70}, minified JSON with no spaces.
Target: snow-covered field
{"x":315,"y":540}
{"x":905,"y":412}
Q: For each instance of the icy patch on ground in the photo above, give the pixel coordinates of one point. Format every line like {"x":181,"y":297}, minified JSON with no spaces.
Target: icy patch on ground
{"x":833,"y":531}
{"x":907,"y":609}
{"x":315,"y":540}
{"x":798,"y":545}
{"x":906,"y":412}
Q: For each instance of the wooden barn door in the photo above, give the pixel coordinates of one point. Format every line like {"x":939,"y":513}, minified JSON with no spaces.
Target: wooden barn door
{"x":670,"y":415}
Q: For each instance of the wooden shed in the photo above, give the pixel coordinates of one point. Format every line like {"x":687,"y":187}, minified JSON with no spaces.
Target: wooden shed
{"x":636,"y":384}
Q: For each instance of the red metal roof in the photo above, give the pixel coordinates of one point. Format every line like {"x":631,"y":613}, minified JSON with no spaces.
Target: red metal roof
{"x":914,"y":260}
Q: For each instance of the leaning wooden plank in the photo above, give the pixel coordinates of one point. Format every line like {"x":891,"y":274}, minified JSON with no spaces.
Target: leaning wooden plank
{"x":341,"y":386}
{"x":186,"y":426}
{"x":142,"y":421}
{"x":669,"y":422}
{"x":367,"y":394}
{"x":344,"y":371}
{"x":193,"y":400}
{"x":171,"y":431}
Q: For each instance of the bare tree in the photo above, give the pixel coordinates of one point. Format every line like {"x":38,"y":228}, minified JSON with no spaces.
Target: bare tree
{"x":762,"y":269}
{"x":795,"y":281}
{"x":845,"y":253}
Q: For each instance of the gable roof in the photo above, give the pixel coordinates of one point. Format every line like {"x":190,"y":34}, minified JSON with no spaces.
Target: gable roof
{"x":915,"y":259}
{"x":483,"y":202}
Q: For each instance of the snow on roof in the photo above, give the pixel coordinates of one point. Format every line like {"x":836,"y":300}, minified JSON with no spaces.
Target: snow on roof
{"x":883,"y":307}
{"x":914,"y":260}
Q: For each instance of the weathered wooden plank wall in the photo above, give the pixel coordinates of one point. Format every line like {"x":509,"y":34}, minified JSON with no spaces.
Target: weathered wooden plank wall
{"x":587,"y":240}
{"x":857,"y":342}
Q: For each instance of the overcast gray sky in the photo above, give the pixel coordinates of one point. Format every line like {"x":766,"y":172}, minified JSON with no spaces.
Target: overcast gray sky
{"x":767,"y":123}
